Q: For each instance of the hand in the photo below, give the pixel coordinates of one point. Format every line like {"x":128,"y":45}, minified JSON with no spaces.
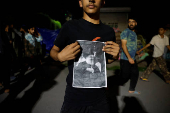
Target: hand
{"x":131,"y":61}
{"x":138,"y":52}
{"x":111,"y":48}
{"x":90,"y":70}
{"x":69,"y":52}
{"x":10,"y":41}
{"x":21,"y":29}
{"x":39,"y":34}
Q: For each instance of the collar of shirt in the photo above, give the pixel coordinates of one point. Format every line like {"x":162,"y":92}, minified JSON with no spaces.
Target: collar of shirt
{"x":131,"y":31}
{"x":160,"y":36}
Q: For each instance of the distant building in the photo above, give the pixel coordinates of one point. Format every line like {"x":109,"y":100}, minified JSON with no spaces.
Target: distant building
{"x":116,"y":17}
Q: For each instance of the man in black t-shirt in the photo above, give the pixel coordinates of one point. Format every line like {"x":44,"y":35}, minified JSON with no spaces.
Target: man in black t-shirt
{"x":66,"y":48}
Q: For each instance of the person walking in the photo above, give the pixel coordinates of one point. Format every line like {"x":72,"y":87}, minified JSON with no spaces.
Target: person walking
{"x":128,"y":65}
{"x":159,"y":42}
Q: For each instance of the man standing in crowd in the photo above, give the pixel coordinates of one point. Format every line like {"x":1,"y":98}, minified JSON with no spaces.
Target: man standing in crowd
{"x":66,"y":48}
{"x":128,"y":65}
{"x":32,"y":56}
{"x":159,"y":42}
{"x":6,"y":56}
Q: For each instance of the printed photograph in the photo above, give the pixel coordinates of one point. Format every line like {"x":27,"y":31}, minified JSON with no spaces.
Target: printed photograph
{"x":90,"y":67}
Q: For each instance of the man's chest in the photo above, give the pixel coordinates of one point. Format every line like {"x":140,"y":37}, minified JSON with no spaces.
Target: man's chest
{"x":132,"y":37}
{"x":160,"y":42}
{"x":89,"y":34}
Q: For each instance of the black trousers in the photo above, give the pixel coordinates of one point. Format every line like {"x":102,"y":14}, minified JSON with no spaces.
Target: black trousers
{"x":101,"y":107}
{"x":5,"y":64}
{"x":129,"y":71}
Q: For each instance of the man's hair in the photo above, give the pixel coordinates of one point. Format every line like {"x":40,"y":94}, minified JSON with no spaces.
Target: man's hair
{"x":161,"y":26}
{"x":30,"y":26}
{"x":132,"y":16}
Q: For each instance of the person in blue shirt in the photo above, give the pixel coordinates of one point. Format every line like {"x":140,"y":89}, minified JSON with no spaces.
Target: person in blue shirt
{"x":32,"y":50}
{"x":29,"y":36}
{"x":128,"y":65}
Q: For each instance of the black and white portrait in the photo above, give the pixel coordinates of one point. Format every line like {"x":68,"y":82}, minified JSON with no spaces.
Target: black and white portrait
{"x":90,"y":67}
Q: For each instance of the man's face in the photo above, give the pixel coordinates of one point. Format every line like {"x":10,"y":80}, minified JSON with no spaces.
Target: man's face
{"x":91,"y":6}
{"x":90,"y":59}
{"x":7,"y":28}
{"x":31,"y":30}
{"x":132,"y":24}
{"x":161,"y":31}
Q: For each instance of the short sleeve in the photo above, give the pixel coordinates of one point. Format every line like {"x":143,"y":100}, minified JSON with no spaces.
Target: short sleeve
{"x":152,"y":41}
{"x":62,"y":38}
{"x":29,"y":38}
{"x":123,"y":35}
{"x":167,"y":41}
{"x":39,"y":38}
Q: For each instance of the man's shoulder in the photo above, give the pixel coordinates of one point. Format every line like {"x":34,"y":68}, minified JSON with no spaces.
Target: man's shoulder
{"x":166,"y":36}
{"x":28,"y":36}
{"x":155,"y":37}
{"x":107,"y":27}
{"x":72,"y":22}
{"x":125,"y":32}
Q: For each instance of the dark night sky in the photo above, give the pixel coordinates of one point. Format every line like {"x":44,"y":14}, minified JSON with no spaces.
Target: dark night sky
{"x":149,"y":15}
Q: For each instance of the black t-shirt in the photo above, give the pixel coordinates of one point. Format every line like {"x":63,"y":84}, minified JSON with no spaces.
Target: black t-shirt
{"x":82,"y":30}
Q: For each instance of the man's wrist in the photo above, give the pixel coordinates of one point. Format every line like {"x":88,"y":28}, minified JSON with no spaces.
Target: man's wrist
{"x":59,"y":58}
{"x":115,"y":57}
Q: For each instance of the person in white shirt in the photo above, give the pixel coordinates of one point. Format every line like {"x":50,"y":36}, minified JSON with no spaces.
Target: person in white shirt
{"x":159,"y":42}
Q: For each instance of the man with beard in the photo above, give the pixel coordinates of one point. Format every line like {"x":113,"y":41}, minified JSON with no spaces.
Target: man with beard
{"x":128,"y":65}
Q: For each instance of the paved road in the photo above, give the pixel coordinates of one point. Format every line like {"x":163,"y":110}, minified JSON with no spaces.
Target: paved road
{"x":33,"y":94}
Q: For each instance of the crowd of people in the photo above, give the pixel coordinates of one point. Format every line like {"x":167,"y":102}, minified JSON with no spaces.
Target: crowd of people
{"x":67,"y":48}
{"x":24,"y":47}
{"x":20,"y":50}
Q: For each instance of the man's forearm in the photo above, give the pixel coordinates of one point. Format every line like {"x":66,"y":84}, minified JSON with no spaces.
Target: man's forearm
{"x":126,"y":51}
{"x":17,"y":32}
{"x":109,"y":61}
{"x":145,"y":47}
{"x":168,"y":47}
{"x":54,"y":54}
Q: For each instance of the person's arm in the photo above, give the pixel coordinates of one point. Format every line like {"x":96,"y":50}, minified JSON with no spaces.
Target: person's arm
{"x":168,"y":46}
{"x":111,"y":48}
{"x":30,"y":39}
{"x":39,"y":38}
{"x":138,"y":52}
{"x":17,"y":32}
{"x":54,"y":53}
{"x":124,"y":47}
{"x":70,"y":52}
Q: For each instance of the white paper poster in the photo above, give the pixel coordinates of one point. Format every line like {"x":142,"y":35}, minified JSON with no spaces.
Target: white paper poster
{"x":90,"y":67}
